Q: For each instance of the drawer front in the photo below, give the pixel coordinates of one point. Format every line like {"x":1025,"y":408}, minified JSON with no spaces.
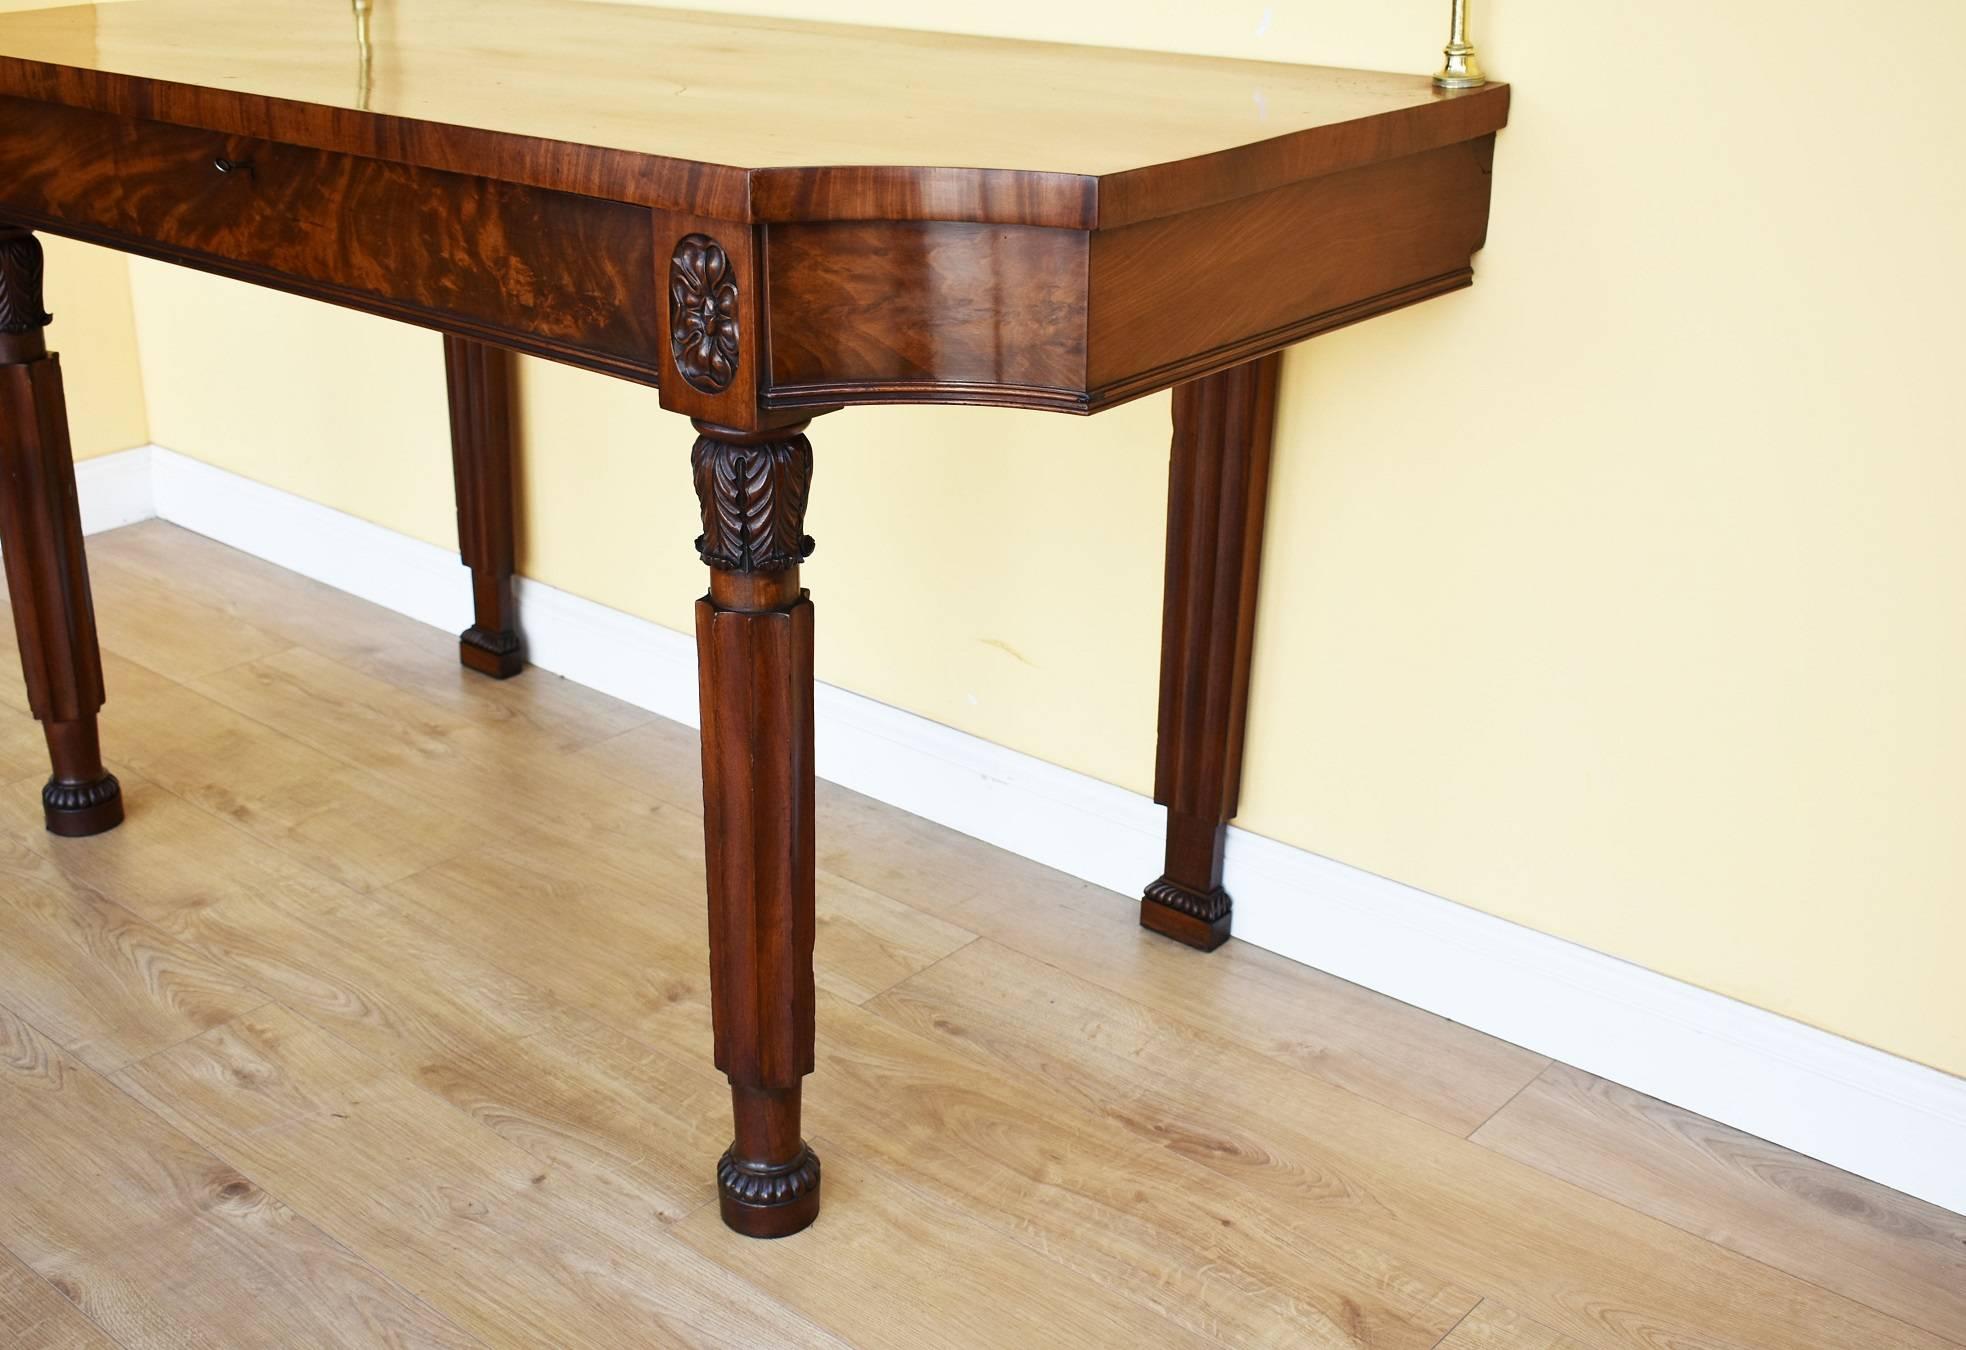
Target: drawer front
{"x":566,"y":275}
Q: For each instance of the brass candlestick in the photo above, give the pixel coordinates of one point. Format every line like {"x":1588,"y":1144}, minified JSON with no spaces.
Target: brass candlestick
{"x":1462,"y":71}
{"x":364,"y":55}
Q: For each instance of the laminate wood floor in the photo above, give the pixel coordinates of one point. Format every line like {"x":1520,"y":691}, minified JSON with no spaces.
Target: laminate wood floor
{"x":383,"y":1022}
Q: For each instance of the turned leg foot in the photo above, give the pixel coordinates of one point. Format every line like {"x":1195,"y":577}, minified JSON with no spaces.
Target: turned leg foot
{"x":1218,"y":480}
{"x":497,"y":652}
{"x":479,"y":379}
{"x":81,"y":798}
{"x":754,"y":654}
{"x":767,"y":1180}
{"x":1187,"y":902}
{"x":41,"y":535}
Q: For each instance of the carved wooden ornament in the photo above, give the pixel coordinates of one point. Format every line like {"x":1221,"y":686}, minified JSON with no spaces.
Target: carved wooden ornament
{"x":20,"y":283}
{"x":754,"y":503}
{"x":758,"y":1184}
{"x":703,"y":328}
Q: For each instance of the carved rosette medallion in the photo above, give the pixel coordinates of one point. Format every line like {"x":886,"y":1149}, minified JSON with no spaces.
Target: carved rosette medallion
{"x":754,"y":503}
{"x":703,"y":332}
{"x":20,"y":283}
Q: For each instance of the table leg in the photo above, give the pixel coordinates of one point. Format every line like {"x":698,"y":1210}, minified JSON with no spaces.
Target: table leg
{"x":1218,"y":480}
{"x":754,"y":661}
{"x":41,"y":533}
{"x":480,"y":383}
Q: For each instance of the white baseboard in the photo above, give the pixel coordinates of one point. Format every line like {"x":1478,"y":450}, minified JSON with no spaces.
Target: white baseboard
{"x":115,"y":490}
{"x":1858,"y":1108}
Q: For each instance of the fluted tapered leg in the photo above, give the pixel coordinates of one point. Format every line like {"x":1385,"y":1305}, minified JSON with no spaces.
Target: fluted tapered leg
{"x":1218,"y":482}
{"x":480,"y":384}
{"x":41,"y":534}
{"x":754,"y":654}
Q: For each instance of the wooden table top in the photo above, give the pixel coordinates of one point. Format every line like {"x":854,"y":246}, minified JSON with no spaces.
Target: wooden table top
{"x":741,"y":118}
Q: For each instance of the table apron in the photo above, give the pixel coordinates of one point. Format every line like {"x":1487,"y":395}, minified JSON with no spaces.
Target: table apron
{"x":568,"y":277}
{"x":791,"y":315}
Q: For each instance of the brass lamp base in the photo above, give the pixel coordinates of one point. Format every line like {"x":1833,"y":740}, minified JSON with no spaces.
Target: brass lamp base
{"x":1462,"y":71}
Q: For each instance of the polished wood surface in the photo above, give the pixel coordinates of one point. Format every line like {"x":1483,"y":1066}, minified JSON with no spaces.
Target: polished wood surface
{"x":754,"y":657}
{"x":1218,"y":486}
{"x":923,"y":309}
{"x":1184,"y":295}
{"x":262,"y":1102}
{"x":552,"y":273}
{"x":911,"y":311}
{"x":41,"y":535}
{"x":478,"y":380}
{"x":1208,"y":211}
{"x":728,"y":210}
{"x":673,"y":109}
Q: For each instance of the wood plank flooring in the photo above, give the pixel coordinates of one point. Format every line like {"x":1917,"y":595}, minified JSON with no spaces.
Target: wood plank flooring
{"x":383,"y":1021}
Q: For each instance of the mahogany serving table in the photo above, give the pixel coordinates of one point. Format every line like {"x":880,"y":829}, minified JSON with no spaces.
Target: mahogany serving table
{"x":765,"y":221}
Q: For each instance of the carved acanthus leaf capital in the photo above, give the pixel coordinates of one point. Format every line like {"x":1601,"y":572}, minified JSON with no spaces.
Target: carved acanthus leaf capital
{"x":754,"y":502}
{"x":21,"y":269}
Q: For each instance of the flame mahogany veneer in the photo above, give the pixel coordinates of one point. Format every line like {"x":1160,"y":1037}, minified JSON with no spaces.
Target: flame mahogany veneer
{"x":675,"y":199}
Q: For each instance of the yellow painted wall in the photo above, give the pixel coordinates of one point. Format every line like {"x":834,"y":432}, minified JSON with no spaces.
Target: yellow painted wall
{"x":1623,"y":596}
{"x":95,"y":335}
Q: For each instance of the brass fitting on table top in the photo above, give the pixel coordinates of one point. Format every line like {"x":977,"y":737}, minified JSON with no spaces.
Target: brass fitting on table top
{"x":1462,"y":70}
